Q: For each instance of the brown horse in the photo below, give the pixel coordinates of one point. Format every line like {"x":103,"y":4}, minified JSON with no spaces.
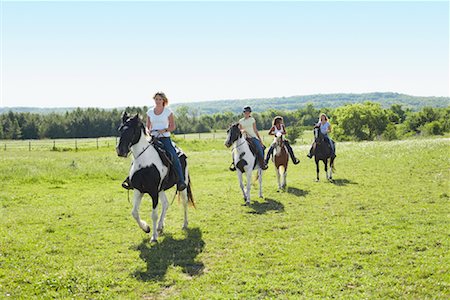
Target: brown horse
{"x":280,"y":159}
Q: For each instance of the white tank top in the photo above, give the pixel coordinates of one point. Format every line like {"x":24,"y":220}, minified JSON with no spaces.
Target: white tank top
{"x":276,"y":130}
{"x":159,"y":122}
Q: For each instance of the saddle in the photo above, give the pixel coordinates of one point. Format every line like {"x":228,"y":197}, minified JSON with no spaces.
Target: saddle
{"x":252,"y":146}
{"x":171,"y":178}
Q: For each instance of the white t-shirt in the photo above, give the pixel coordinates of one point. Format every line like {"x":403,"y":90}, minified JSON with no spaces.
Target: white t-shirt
{"x":247,"y":125}
{"x":324,"y":127}
{"x":159,"y":122}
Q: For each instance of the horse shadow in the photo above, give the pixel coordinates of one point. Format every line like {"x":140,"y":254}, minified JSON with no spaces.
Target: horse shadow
{"x":171,"y":251}
{"x":343,"y":182}
{"x":297,"y":192}
{"x":260,"y":208}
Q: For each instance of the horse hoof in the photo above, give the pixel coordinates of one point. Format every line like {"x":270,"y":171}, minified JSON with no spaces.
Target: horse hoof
{"x":185,"y":227}
{"x":247,"y":203}
{"x":317,"y":180}
{"x":160,"y":231}
{"x":154,"y":241}
{"x":147,"y":230}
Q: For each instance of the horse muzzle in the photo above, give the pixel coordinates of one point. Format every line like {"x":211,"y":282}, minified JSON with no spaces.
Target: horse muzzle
{"x":121,"y":153}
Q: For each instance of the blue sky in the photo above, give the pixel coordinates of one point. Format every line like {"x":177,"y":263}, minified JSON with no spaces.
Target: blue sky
{"x":118,"y":53}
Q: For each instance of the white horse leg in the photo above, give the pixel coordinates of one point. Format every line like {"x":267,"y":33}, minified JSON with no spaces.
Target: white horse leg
{"x":154,"y":220}
{"x":241,"y":184}
{"x":278,"y":178}
{"x":137,"y":198}
{"x":165,"y":205}
{"x":283,"y":186}
{"x":249,"y":184}
{"x":184,"y":199}
{"x":260,"y":172}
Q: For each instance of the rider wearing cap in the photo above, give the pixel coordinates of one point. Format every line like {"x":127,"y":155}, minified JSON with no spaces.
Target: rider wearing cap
{"x":248,"y":126}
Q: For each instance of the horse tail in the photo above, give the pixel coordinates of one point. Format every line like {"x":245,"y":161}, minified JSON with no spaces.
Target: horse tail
{"x":332,"y":165}
{"x":189,"y":193}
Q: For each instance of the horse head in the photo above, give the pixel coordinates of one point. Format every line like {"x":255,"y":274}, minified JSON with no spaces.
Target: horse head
{"x":279,"y":140}
{"x":130,"y":132}
{"x":318,"y":136}
{"x":233,"y":134}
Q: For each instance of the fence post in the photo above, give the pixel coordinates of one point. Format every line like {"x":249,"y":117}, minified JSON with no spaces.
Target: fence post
{"x":5,"y":146}
{"x":97,"y":143}
{"x":76,"y":147}
{"x":199,"y":135}
{"x":54,"y":146}
{"x":29,"y":145}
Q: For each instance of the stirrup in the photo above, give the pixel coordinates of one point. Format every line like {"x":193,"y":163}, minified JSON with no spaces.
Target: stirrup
{"x":126,"y":184}
{"x":232,"y":167}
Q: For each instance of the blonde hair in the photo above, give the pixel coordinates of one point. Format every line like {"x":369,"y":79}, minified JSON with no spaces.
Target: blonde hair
{"x":163,"y":96}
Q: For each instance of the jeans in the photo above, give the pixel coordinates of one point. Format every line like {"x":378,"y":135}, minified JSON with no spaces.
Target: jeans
{"x":331,"y":143}
{"x":167,"y":143}
{"x":259,"y":147}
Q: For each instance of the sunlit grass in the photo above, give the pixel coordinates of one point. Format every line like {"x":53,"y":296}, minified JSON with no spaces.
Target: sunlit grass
{"x":380,"y":231}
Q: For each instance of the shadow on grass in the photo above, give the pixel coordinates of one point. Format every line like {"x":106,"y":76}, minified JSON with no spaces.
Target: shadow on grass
{"x":260,"y":208}
{"x":169,"y":252}
{"x":342,"y":182}
{"x":297,"y":192}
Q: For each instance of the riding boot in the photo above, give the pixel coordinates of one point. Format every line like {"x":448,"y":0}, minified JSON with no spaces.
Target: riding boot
{"x":310,"y":154}
{"x":262,"y":163}
{"x":269,"y":154}
{"x":126,"y":184}
{"x":291,"y":153}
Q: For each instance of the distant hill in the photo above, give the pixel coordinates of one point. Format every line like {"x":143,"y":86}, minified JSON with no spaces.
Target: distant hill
{"x":326,"y":100}
{"x":283,"y":103}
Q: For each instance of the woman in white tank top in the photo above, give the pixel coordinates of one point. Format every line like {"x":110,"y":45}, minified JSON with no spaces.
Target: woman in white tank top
{"x":278,"y":127}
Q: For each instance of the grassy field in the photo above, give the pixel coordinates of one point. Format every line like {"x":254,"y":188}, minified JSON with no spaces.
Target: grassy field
{"x":381,"y":230}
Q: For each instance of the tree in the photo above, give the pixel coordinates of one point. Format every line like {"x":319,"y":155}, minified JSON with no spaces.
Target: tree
{"x":360,"y":121}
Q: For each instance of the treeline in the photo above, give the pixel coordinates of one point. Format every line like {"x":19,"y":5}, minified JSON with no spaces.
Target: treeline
{"x":359,"y":121}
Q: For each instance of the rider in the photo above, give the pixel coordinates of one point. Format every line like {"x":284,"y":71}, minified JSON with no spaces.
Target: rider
{"x":278,"y":127}
{"x":160,"y":123}
{"x":248,"y":126}
{"x":324,"y":127}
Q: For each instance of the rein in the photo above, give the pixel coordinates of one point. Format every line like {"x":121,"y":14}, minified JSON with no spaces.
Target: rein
{"x":237,"y":146}
{"x":136,"y":157}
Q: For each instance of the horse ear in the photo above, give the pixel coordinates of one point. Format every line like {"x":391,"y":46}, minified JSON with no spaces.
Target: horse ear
{"x":124,"y":117}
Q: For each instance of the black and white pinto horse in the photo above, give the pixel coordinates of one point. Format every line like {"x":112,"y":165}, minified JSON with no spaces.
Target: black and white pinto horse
{"x":244,"y":160}
{"x":280,"y":159}
{"x":149,"y":174}
{"x":322,"y":152}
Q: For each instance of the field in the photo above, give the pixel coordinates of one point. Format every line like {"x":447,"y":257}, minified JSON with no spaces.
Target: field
{"x":381,"y":230}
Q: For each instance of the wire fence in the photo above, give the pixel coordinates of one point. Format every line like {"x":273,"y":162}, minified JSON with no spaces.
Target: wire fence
{"x":104,"y":142}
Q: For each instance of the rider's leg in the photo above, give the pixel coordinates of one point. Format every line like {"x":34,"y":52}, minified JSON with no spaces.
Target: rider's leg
{"x":181,"y":185}
{"x":332,"y":146}
{"x":291,"y":152}
{"x":269,"y":153}
{"x":260,"y":153}
{"x":311,"y":151}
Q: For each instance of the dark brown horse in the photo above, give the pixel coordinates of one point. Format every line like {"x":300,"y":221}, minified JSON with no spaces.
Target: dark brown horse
{"x":280,"y":159}
{"x":322,"y":152}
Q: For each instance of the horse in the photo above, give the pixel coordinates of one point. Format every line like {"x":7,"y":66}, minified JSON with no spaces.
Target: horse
{"x":244,"y":160}
{"x":280,"y":159}
{"x":322,"y":152}
{"x":150,"y":173}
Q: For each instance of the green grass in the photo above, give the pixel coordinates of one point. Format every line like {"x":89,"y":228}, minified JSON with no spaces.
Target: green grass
{"x":380,"y":231}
